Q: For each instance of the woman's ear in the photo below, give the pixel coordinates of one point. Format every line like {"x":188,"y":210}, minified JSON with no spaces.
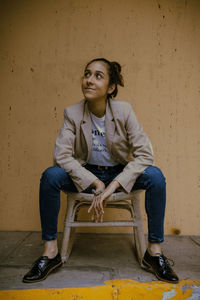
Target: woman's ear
{"x":111,"y":88}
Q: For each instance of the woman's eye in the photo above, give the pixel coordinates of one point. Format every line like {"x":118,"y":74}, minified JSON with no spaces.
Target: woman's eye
{"x":98,"y":76}
{"x":87,"y":74}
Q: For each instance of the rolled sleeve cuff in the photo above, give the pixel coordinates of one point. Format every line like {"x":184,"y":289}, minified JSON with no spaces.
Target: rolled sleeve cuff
{"x":127,"y":186}
{"x":82,"y":179}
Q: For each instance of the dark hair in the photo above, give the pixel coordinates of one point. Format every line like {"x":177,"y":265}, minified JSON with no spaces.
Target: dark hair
{"x":114,"y":71}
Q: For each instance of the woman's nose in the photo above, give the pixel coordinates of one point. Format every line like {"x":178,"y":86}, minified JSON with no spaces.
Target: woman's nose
{"x":90,"y":79}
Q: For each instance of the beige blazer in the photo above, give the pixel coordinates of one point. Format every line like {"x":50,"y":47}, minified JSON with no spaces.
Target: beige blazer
{"x":126,"y":142}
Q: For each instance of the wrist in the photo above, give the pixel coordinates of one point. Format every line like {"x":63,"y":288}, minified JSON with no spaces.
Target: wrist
{"x":115,"y":184}
{"x":111,"y":188}
{"x":98,"y":184}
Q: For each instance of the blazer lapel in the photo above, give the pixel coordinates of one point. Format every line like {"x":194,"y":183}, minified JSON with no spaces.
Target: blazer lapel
{"x":110,"y":126}
{"x":86,"y":125}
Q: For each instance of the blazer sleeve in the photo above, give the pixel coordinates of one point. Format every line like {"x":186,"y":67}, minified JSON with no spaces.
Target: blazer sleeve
{"x":64,"y":155}
{"x":140,"y":155}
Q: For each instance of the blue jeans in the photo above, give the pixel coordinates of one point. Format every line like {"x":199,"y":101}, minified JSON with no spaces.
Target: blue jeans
{"x":55,"y":179}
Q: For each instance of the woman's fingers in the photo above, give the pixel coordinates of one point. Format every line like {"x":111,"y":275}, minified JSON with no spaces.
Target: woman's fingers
{"x":97,"y":206}
{"x":96,"y":210}
{"x":101,"y":206}
{"x":91,"y":206}
{"x":105,"y":203}
{"x":101,"y":218}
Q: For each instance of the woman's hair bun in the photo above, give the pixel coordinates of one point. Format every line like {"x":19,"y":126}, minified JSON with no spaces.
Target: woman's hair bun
{"x":116,"y":66}
{"x":115,"y":73}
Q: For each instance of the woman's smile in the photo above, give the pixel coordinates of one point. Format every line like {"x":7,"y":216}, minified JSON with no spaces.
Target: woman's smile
{"x":89,"y":89}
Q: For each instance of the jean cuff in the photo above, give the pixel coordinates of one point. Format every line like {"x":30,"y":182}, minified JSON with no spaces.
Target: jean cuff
{"x":158,"y":241}
{"x":48,"y":238}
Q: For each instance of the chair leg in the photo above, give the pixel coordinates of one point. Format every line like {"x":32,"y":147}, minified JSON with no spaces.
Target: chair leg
{"x":138,"y":231}
{"x":67,"y":242}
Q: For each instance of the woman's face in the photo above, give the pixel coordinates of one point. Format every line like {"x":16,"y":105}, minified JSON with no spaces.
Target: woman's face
{"x":95,"y":82}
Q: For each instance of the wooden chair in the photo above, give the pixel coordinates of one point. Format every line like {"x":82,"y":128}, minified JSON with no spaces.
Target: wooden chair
{"x":130,"y":202}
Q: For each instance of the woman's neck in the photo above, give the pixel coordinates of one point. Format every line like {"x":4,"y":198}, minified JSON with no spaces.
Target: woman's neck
{"x":98,"y":108}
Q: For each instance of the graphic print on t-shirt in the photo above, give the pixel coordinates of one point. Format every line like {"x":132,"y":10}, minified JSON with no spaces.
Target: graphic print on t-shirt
{"x":98,"y":140}
{"x":100,"y":155}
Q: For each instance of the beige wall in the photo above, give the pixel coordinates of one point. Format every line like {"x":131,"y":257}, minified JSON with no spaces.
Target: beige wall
{"x":44,"y":46}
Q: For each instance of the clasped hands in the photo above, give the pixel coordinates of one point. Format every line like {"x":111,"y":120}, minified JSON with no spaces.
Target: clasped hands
{"x":101,"y":194}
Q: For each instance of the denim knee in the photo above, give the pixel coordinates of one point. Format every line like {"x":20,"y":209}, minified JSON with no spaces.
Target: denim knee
{"x":155,"y":176}
{"x":53,"y":175}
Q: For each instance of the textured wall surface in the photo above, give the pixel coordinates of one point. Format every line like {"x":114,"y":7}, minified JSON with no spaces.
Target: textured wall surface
{"x":44,"y":46}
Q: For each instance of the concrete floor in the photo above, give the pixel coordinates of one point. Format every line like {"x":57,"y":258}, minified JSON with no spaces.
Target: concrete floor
{"x":95,"y":258}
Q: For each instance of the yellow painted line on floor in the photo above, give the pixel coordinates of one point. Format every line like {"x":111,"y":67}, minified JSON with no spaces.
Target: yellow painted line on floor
{"x":122,"y":289}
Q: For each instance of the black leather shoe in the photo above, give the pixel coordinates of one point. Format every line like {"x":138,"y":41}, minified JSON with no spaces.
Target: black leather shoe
{"x":42,"y":267}
{"x":159,"y":265}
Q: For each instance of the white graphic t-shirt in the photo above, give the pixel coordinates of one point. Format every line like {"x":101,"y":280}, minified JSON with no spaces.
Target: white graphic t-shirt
{"x":100,"y":155}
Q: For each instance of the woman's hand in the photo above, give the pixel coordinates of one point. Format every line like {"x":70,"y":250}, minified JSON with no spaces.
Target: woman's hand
{"x":100,"y":201}
{"x":99,"y":185}
{"x":99,"y":188}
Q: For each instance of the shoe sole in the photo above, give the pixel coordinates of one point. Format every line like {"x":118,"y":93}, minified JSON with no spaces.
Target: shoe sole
{"x":43,"y":278}
{"x":149,"y":268}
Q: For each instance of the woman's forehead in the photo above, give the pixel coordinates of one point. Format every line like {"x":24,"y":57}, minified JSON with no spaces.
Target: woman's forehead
{"x":97,"y":66}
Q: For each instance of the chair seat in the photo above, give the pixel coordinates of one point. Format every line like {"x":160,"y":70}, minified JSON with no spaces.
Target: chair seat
{"x":130,"y":202}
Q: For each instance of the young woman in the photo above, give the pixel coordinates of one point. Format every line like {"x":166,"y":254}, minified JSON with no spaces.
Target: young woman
{"x":102,"y":147}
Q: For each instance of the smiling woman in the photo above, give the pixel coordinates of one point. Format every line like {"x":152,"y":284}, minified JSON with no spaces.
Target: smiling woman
{"x":100,"y":82}
{"x":95,"y":83}
{"x":102,"y":147}
{"x":110,"y":71}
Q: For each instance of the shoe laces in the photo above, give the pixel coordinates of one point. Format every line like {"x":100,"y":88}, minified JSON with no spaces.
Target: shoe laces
{"x":166,"y":261}
{"x":37,"y":264}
